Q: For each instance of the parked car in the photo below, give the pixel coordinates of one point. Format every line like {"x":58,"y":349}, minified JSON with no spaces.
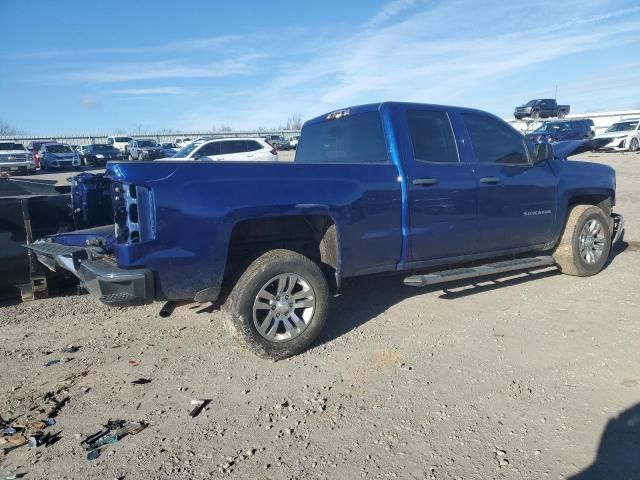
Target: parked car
{"x":145,"y":150}
{"x":34,"y":148}
{"x":14,"y":158}
{"x":169,"y":149}
{"x":99,"y":154}
{"x":620,"y":136}
{"x":560,"y":130}
{"x":120,"y":142}
{"x":58,"y":155}
{"x":293,"y":141}
{"x":228,"y":149}
{"x":541,"y":108}
{"x":374,"y":188}
{"x":182,"y":142}
{"x":277,"y":141}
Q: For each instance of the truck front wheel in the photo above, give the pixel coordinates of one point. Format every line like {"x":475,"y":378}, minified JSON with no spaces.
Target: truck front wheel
{"x":585,"y":243}
{"x":279,"y":305}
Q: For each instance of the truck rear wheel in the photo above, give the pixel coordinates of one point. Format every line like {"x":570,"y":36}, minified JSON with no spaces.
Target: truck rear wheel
{"x":278,"y":306}
{"x":585,"y":243}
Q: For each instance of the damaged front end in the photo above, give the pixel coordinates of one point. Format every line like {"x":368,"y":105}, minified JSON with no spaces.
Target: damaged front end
{"x":89,"y":253}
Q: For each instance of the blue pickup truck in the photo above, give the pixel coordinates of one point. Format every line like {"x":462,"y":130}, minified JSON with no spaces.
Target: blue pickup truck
{"x":390,"y":187}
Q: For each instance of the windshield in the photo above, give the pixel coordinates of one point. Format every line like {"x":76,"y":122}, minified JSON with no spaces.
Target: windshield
{"x":531,"y":103}
{"x":59,"y":149}
{"x":122,"y":139}
{"x":11,"y":146}
{"x":553,"y":127}
{"x":185,"y":151}
{"x":147,"y":143}
{"x":623,"y":126}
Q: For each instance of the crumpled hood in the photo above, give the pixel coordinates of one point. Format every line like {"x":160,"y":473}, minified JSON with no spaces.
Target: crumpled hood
{"x":562,"y":150}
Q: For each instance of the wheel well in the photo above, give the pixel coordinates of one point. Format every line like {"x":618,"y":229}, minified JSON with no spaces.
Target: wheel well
{"x":603,"y":201}
{"x":314,"y":236}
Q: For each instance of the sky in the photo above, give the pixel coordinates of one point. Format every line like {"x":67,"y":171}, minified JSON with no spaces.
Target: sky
{"x":73,"y":67}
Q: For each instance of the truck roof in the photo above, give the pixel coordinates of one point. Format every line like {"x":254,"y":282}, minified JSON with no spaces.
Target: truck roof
{"x":370,"y":107}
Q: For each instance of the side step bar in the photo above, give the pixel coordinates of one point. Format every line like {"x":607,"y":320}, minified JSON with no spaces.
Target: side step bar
{"x":479,"y":271}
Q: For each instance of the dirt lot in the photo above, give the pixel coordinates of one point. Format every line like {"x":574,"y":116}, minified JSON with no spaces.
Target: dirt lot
{"x":515,"y":377}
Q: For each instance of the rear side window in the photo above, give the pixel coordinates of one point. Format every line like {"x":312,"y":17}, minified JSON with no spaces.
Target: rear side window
{"x":252,"y":146}
{"x":354,"y":138}
{"x":432,"y":136}
{"x":494,"y":141}
{"x":233,"y":146}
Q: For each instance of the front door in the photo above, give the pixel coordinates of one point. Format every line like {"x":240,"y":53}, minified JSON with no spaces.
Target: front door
{"x":516,"y":198}
{"x":441,"y":189}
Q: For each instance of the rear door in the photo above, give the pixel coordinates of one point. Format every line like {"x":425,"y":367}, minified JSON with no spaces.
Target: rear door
{"x":442,"y":189}
{"x":516,"y":198}
{"x":233,"y":150}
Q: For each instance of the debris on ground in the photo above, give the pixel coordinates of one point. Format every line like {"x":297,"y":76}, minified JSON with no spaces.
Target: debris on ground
{"x":198,"y":406}
{"x":71,"y":349}
{"x":14,"y":435}
{"x":141,"y":381}
{"x":113,"y":432}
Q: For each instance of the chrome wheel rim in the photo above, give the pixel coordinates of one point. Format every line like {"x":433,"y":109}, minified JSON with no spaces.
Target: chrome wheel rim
{"x":284,"y":307}
{"x":592,"y":241}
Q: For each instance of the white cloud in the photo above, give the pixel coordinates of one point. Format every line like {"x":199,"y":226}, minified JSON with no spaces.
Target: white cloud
{"x":445,"y":52}
{"x":151,"y":91}
{"x":171,"y":47}
{"x":89,"y":102}
{"x":123,"y":72}
{"x":389,"y":11}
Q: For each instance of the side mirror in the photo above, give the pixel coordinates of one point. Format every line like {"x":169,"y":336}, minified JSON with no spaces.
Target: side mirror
{"x":197,"y":156}
{"x":542,"y":152}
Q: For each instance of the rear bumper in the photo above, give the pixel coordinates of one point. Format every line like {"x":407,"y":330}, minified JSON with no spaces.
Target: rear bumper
{"x":114,"y":286}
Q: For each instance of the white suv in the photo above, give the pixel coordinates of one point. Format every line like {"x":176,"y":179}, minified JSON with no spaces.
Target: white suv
{"x":120,"y":142}
{"x":228,"y":149}
{"x":183,"y":141}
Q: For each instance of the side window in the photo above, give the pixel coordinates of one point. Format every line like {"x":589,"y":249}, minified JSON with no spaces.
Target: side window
{"x":432,"y":136}
{"x":356,"y":138}
{"x":210,"y":149}
{"x":232,"y":146}
{"x":252,"y":146}
{"x":494,"y":141}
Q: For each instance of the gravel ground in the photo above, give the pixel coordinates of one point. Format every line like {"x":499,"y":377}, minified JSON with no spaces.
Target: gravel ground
{"x":508,"y":378}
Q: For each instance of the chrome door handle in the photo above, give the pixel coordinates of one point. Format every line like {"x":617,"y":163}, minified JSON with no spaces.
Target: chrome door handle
{"x":490,"y":180}
{"x":425,"y":182}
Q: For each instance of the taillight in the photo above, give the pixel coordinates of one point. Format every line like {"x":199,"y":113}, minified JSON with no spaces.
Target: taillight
{"x":274,"y":151}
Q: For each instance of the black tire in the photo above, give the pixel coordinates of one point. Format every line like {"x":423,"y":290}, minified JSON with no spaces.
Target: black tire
{"x":562,"y":114}
{"x":567,"y":253}
{"x":130,"y":157}
{"x":535,"y":114}
{"x":238,"y":310}
{"x":634,"y":145}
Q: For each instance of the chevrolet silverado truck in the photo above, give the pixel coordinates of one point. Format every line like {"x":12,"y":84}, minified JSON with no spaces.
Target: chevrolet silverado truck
{"x":541,"y":108}
{"x":391,"y":187}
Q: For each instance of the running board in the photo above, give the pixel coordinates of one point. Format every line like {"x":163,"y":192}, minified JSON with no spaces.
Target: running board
{"x":479,"y":271}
